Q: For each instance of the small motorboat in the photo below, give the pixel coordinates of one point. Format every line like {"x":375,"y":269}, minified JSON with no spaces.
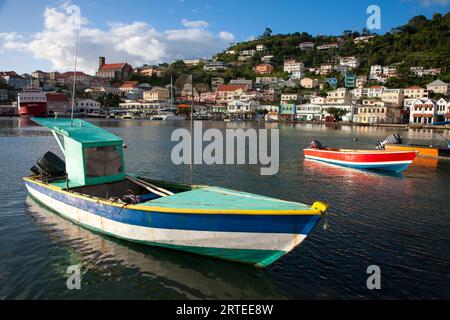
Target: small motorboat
{"x":395,"y":143}
{"x":91,"y":189}
{"x":396,"y":161}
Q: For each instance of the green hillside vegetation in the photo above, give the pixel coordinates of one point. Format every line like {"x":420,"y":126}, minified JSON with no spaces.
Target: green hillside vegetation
{"x":421,"y":42}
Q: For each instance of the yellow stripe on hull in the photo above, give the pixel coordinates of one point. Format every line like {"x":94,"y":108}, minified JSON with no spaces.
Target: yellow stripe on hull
{"x":316,"y":209}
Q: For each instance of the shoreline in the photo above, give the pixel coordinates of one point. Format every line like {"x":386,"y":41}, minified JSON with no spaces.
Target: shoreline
{"x":403,"y":126}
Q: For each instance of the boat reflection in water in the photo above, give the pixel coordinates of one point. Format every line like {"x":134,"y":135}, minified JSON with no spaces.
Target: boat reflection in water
{"x":189,"y":276}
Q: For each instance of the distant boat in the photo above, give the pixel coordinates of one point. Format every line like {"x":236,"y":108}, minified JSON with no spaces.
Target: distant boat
{"x":422,"y":150}
{"x":128,"y":115}
{"x":206,"y":220}
{"x":32,"y":102}
{"x":395,"y":143}
{"x":396,"y":161}
{"x":167,"y":117}
{"x":96,"y":114}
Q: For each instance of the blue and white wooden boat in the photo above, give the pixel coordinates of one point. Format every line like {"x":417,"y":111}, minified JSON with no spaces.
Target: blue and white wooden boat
{"x":92,"y":189}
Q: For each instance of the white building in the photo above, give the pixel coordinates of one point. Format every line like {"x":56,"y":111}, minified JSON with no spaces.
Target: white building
{"x":375,"y":70}
{"x":297,"y":75}
{"x":375,"y":91}
{"x":261,"y":47}
{"x":351,"y":62}
{"x":306,"y":45}
{"x":269,"y":108}
{"x":286,"y":97}
{"x":194,"y":61}
{"x":339,"y":96}
{"x":416,"y":92}
{"x":291,"y":65}
{"x":422,"y":111}
{"x":442,"y":106}
{"x":157,"y":94}
{"x":326,"y":68}
{"x":250,"y":52}
{"x":407,"y":103}
{"x":142,"y":106}
{"x":359,"y":93}
{"x":328,"y":46}
{"x":438,"y":86}
{"x":267,"y":58}
{"x":214,"y":66}
{"x":241,"y":107}
{"x":87,"y":105}
{"x":318,"y":100}
{"x":363,"y":39}
{"x":309,"y":112}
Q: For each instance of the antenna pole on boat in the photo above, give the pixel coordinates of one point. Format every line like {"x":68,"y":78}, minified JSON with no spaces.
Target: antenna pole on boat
{"x":74,"y":78}
{"x":192,"y":130}
{"x":171,"y":93}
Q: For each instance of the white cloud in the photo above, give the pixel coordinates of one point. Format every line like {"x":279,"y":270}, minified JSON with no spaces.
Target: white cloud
{"x":135,"y":43}
{"x":194,"y":24}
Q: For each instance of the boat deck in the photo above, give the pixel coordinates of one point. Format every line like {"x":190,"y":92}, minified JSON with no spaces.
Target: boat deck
{"x":216,"y":198}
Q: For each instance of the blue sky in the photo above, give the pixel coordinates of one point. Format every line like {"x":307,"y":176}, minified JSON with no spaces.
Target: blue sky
{"x":175,"y":28}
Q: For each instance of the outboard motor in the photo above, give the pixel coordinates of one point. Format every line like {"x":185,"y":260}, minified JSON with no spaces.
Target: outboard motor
{"x":50,"y":166}
{"x":392,"y":139}
{"x":316,"y":144}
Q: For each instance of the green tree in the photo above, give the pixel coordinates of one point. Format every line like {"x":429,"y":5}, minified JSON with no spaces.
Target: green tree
{"x":267,"y":33}
{"x":337,"y":113}
{"x":109,"y":101}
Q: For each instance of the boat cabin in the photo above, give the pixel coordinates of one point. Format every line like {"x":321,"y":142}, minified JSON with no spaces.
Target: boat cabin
{"x":93,"y":155}
{"x":94,"y":165}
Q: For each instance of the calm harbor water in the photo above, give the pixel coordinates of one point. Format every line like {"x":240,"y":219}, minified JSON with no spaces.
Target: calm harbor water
{"x":399,"y":222}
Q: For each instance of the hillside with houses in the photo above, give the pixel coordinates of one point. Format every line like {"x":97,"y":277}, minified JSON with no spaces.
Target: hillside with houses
{"x":400,"y":77}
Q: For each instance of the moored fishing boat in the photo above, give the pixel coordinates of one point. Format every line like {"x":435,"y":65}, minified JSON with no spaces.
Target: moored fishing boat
{"x":92,"y":189}
{"x":395,"y":143}
{"x":422,"y":150}
{"x":396,"y":161}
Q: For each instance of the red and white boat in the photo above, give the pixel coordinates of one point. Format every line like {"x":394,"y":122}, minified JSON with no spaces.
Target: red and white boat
{"x":396,"y":161}
{"x":32,"y":102}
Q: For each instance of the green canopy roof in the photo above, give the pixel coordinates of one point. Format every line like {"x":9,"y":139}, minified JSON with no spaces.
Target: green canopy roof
{"x":78,"y":130}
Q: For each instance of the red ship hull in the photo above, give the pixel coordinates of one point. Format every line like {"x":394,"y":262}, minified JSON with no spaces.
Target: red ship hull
{"x":34,"y":109}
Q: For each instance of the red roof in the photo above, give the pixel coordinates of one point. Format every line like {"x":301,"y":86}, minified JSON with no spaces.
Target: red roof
{"x":109,"y":66}
{"x":70,"y":74}
{"x":232,"y":87}
{"x":414,"y":87}
{"x":128,"y":84}
{"x":376,"y":87}
{"x":57,"y":97}
{"x":9,"y":73}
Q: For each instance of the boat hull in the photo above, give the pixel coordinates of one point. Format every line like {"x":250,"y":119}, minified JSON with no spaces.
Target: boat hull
{"x":259,"y":240}
{"x":423,"y":151}
{"x":365,"y":160}
{"x":34,"y":109}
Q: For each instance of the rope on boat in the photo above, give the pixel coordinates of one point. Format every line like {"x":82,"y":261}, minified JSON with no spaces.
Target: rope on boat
{"x":151,"y":187}
{"x":154,"y":186}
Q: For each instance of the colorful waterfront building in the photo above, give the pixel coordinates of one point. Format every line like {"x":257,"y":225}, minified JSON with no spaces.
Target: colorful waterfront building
{"x":288,"y":111}
{"x":350,"y":80}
